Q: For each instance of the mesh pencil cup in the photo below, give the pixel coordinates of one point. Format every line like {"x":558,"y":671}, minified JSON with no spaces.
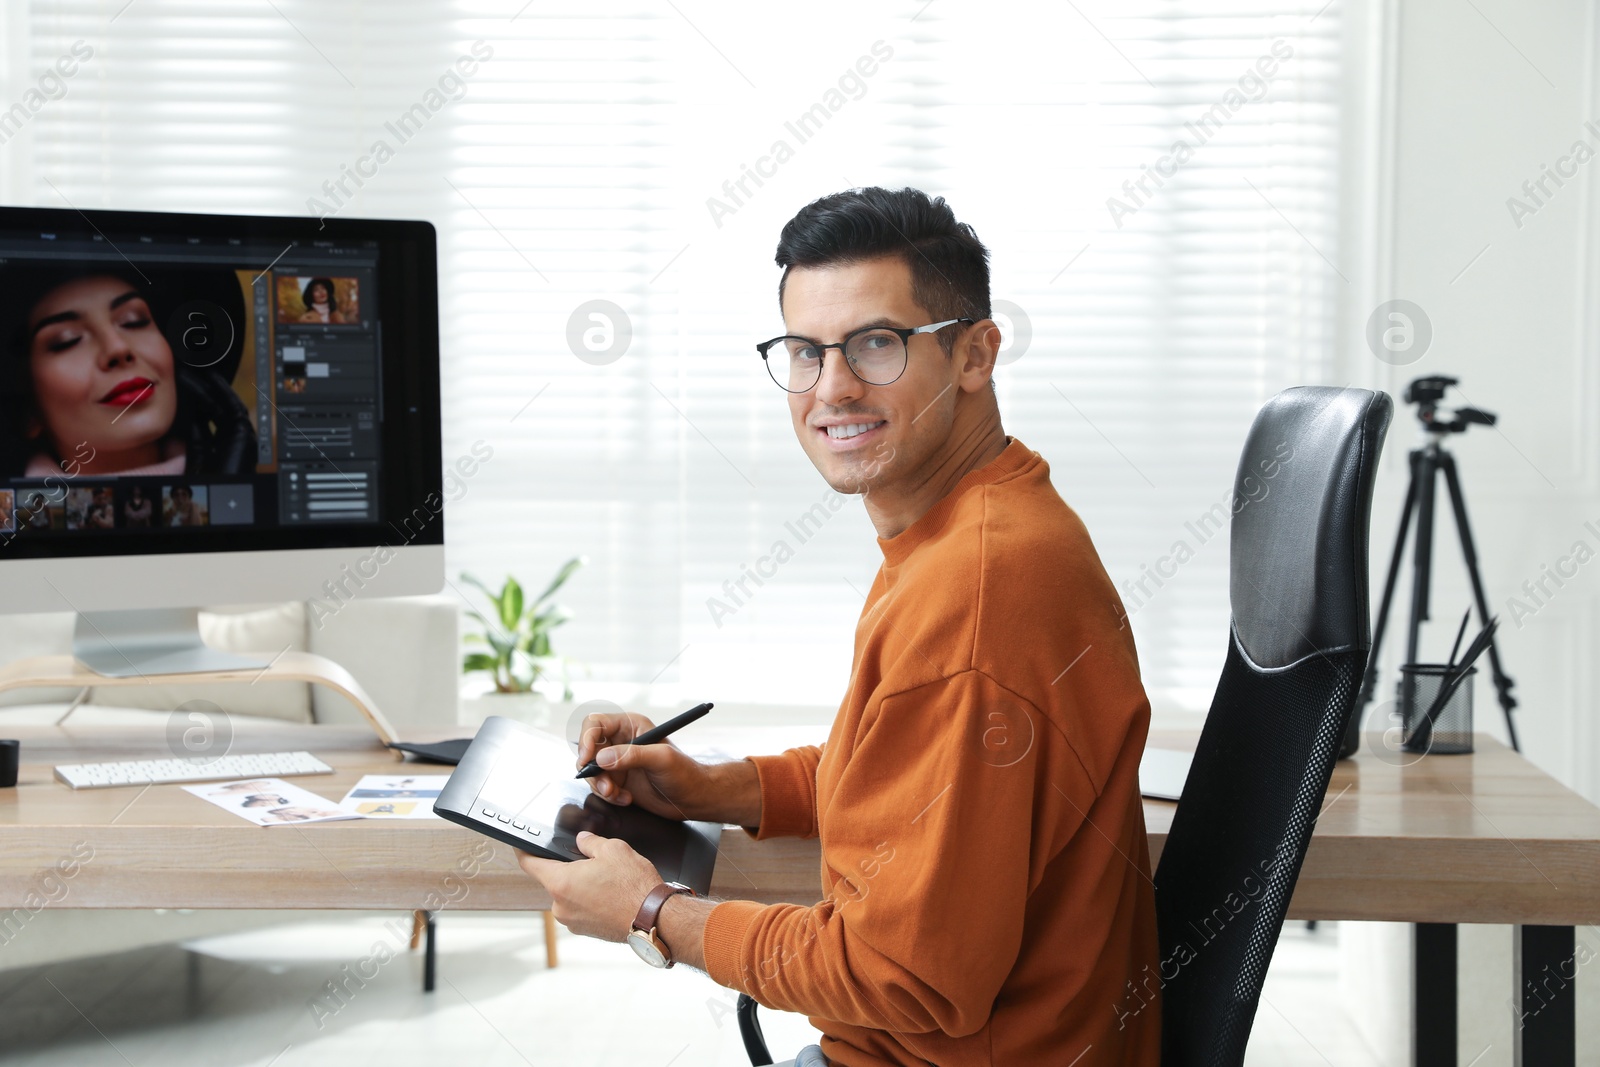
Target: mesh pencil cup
{"x":1451,"y":733}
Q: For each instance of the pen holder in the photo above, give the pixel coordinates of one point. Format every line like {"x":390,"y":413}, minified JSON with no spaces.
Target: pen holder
{"x":1451,"y":733}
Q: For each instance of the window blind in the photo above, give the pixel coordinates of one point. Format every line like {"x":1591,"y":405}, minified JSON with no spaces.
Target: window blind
{"x":608,"y":187}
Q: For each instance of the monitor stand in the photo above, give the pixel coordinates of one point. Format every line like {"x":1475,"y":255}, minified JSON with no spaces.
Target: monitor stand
{"x":164,"y":648}
{"x":129,"y":644}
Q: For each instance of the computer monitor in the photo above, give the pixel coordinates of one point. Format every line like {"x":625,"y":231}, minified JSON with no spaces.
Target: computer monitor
{"x":205,"y":409}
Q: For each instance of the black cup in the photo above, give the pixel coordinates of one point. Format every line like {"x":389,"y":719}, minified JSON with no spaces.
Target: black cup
{"x":10,"y":757}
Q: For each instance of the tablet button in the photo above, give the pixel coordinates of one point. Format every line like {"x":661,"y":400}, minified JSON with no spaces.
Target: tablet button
{"x":519,"y":824}
{"x":503,"y":818}
{"x":489,"y":813}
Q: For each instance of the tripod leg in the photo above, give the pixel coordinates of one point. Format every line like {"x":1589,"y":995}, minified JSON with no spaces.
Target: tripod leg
{"x":1422,"y":557}
{"x":1422,"y":568}
{"x":1502,"y":683}
{"x":1370,"y":680}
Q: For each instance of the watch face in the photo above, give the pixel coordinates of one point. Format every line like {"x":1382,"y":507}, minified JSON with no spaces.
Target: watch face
{"x":645,"y":949}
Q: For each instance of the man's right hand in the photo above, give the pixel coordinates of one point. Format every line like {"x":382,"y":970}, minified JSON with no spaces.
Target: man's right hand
{"x":662,"y":778}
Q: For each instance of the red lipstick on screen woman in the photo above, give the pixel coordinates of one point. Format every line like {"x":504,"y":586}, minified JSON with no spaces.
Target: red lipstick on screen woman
{"x":129,"y":391}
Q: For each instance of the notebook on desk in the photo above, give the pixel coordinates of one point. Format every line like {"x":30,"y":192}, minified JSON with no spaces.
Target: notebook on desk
{"x":1162,"y":772}
{"x":518,"y":785}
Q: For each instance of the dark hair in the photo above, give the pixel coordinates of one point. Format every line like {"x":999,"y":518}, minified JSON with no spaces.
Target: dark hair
{"x":949,"y":265}
{"x":211,"y":419}
{"x":326,"y":283}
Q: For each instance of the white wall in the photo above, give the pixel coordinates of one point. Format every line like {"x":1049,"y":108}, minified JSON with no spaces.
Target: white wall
{"x":1466,"y":102}
{"x":1473,"y":121}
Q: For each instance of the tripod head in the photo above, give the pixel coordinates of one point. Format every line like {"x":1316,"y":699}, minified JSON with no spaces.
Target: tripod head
{"x":1426,"y":394}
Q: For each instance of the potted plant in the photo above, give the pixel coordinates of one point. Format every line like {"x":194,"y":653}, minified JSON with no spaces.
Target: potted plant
{"x":519,"y":657}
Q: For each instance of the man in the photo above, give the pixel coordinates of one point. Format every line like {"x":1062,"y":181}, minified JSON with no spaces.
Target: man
{"x":987,"y":894}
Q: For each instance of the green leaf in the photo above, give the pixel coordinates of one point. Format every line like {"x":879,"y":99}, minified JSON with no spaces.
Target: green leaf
{"x":472,"y":613}
{"x":494,"y":598}
{"x":551,"y":617}
{"x":478,"y":661}
{"x":511,"y":604}
{"x":485,"y":590}
{"x":561,"y":577}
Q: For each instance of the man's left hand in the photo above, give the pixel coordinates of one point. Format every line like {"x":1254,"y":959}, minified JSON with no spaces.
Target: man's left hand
{"x":598,"y":896}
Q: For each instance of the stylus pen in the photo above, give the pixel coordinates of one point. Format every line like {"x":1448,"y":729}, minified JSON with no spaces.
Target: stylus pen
{"x":655,"y":734}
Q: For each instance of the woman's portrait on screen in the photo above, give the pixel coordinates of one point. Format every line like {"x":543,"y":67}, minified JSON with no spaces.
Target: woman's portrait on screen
{"x":91,"y":383}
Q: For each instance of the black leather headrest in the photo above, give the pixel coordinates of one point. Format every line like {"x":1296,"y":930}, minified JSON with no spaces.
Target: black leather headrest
{"x":1302,"y":500}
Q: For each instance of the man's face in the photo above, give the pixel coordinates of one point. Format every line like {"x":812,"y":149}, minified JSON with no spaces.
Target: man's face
{"x":907,"y":421}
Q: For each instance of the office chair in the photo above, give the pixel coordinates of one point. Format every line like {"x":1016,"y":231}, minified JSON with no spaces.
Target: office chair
{"x":1296,"y":654}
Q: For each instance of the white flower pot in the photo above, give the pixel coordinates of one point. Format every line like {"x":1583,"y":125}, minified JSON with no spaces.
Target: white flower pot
{"x":530,"y":708}
{"x":534,"y":709}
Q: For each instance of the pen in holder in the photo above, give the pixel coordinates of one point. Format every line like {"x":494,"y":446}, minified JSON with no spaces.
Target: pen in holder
{"x":1450,"y":731}
{"x":1436,"y":698}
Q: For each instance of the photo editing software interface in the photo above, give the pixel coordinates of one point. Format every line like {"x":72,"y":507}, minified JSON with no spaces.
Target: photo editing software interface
{"x":180,"y":381}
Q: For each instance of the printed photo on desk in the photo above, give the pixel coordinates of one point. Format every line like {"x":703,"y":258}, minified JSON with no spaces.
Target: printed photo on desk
{"x":393,"y":796}
{"x":270,"y":802}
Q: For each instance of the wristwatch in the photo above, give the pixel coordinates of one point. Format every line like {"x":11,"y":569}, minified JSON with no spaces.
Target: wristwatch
{"x":646,"y":942}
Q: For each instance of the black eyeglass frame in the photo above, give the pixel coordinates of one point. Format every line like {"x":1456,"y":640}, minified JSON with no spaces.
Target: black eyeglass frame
{"x":905,"y":333}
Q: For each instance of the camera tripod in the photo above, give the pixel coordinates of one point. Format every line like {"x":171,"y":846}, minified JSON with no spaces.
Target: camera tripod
{"x":1427,"y":463}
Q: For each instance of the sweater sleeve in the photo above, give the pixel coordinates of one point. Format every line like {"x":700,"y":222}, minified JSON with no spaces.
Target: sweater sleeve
{"x":788,"y":793}
{"x":927,"y":866}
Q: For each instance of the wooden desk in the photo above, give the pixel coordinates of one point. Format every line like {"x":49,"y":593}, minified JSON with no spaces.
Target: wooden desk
{"x":1482,"y":838}
{"x":159,"y":847}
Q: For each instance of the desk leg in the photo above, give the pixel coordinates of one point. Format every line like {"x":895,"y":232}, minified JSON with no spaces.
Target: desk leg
{"x":428,"y":955}
{"x":1433,"y":995}
{"x":1544,"y":963}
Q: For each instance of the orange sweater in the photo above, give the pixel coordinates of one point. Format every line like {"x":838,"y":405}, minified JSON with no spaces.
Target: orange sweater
{"x":986,"y":880}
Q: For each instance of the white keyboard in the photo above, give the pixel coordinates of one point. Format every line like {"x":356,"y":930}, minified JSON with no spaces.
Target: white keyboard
{"x":164,"y":771}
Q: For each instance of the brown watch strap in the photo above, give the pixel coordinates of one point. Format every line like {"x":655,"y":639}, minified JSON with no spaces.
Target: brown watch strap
{"x":650,"y":910}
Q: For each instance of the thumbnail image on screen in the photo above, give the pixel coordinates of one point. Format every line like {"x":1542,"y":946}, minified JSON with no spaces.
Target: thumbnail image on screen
{"x":185,"y":505}
{"x":91,"y":508}
{"x":138,"y":508}
{"x":104,"y":373}
{"x":311,"y":300}
{"x":36,"y":511}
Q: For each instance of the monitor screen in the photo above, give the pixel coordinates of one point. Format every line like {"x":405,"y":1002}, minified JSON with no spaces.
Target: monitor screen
{"x":191,"y":383}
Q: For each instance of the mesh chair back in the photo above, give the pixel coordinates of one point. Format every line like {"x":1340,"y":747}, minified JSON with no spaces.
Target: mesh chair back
{"x":1296,"y":652}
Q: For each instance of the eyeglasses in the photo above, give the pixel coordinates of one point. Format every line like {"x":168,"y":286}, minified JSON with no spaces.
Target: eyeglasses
{"x":875,"y":354}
